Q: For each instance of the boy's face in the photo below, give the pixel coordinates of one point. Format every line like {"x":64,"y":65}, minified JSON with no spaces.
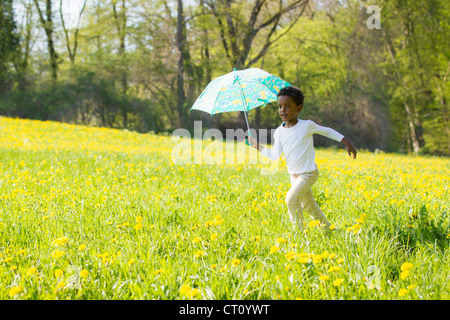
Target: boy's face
{"x":288,"y":109}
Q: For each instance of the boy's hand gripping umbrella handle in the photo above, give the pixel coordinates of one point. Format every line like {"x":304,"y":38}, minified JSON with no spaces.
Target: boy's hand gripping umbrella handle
{"x":246,"y":140}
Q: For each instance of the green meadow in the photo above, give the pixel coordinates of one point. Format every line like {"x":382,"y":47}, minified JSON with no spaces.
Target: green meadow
{"x":90,"y":213}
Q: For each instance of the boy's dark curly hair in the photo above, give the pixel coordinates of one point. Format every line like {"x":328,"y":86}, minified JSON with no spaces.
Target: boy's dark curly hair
{"x":294,"y":93}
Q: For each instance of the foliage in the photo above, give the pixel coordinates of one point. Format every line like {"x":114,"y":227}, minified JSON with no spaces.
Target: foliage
{"x":84,"y":99}
{"x":383,"y":88}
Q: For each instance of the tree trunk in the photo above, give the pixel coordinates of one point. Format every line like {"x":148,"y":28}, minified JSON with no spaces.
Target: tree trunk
{"x":413,"y":139}
{"x":184,"y":66}
{"x":412,"y":129}
{"x":22,"y":65}
{"x":180,"y":68}
{"x":121,"y":23}
{"x":47,"y":24}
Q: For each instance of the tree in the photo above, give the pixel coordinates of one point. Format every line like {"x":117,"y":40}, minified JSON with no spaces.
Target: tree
{"x":28,"y":39}
{"x":120,"y":19}
{"x":47,"y":24}
{"x":240,"y":26}
{"x":71,"y":51}
{"x":184,"y":61}
{"x":9,"y":44}
{"x":415,"y":37}
{"x":247,"y":31}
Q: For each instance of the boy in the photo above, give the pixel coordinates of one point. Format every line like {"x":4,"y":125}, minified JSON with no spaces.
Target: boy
{"x":294,"y":138}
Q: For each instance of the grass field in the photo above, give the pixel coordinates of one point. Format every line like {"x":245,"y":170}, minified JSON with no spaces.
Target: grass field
{"x":89,"y":213}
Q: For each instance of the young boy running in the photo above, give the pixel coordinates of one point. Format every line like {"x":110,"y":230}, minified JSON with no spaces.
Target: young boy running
{"x":294,"y":138}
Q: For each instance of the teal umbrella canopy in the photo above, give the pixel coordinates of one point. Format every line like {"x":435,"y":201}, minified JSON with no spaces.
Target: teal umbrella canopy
{"x":239,"y":90}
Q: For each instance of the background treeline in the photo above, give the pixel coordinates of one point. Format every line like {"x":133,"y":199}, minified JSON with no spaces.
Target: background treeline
{"x":141,"y":65}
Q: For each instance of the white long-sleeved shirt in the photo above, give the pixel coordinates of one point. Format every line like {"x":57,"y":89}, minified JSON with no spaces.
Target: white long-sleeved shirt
{"x":298,"y":146}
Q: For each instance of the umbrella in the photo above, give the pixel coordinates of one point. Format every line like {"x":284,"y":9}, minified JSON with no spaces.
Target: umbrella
{"x":239,"y":90}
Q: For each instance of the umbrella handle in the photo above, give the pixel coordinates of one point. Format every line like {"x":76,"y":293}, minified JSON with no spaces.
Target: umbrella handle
{"x":246,"y":141}
{"x":245,"y":113}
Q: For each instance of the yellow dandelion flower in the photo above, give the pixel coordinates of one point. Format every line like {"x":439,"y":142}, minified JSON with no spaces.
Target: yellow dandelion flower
{"x":402,"y":292}
{"x":60,"y":241}
{"x":303,"y":260}
{"x":130,"y":262}
{"x":313,"y":223}
{"x":60,"y":285}
{"x":317,"y":258}
{"x":235,"y":262}
{"x":209,"y":224}
{"x":196,"y":239}
{"x":323,"y":277}
{"x":84,"y":273}
{"x":406,"y":266}
{"x":214,"y":236}
{"x":14,"y":290}
{"x":218,"y":220}
{"x":139,"y":219}
{"x":273,"y":249}
{"x":338,"y":282}
{"x":159,"y":271}
{"x":138,"y":226}
{"x":412,"y":286}
{"x":31,"y":271}
{"x":192,"y":293}
{"x":22,"y":251}
{"x":281,"y":240}
{"x":57,"y":254}
{"x":184,"y":288}
{"x":291,"y":255}
{"x":333,"y":269}
{"x":188,"y":291}
{"x":404,"y":274}
{"x":199,"y":253}
{"x":58,"y":273}
{"x":81,"y":247}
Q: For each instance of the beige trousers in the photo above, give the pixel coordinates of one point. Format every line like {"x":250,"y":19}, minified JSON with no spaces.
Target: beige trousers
{"x":300,"y":197}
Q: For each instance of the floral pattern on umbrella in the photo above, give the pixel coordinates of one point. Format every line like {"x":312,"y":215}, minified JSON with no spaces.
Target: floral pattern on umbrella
{"x":240,"y":90}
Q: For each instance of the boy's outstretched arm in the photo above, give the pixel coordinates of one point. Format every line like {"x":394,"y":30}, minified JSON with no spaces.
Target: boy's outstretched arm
{"x":350,"y":147}
{"x":271,"y":153}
